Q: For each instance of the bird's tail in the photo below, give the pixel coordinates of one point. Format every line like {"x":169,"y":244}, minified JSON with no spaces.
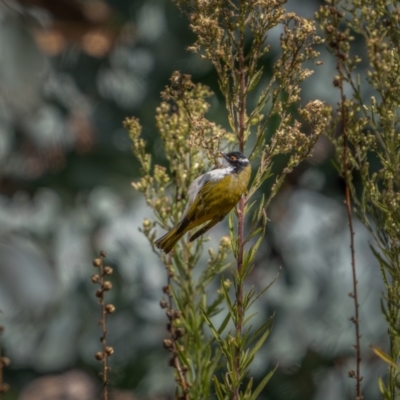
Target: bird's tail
{"x":168,"y":241}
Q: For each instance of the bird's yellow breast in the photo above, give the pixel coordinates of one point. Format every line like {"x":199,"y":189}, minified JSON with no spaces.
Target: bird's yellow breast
{"x":231,"y":187}
{"x":218,"y":197}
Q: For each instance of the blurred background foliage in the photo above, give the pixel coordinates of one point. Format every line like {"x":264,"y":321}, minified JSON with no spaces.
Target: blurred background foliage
{"x":70,"y":72}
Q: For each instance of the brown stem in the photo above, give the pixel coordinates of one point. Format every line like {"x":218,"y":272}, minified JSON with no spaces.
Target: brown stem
{"x":346,"y":173}
{"x":105,"y":286}
{"x":240,"y":226}
{"x":1,"y":367}
{"x":172,"y":344}
{"x":1,"y":375}
{"x":103,"y":324}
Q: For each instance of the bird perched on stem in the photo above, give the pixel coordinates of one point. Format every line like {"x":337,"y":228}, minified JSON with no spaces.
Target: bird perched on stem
{"x":211,"y":196}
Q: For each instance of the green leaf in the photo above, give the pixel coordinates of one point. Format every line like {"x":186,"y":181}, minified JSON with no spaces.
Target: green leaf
{"x":383,"y":389}
{"x":381,"y":260}
{"x":247,"y":393}
{"x":254,"y":233}
{"x":248,"y":207}
{"x":211,"y":309}
{"x":246,"y":360}
{"x":218,"y":388}
{"x":382,"y":207}
{"x":248,"y":318}
{"x":216,"y":335}
{"x":255,"y":79}
{"x":227,"y":299}
{"x":224,"y":323}
{"x":262,"y":384}
{"x":253,"y":250}
{"x":266,"y":288}
{"x":385,"y":357}
{"x":183,"y":356}
{"x":266,"y":328}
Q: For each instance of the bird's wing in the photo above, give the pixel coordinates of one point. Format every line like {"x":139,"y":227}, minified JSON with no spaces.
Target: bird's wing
{"x":194,"y":189}
{"x":199,"y":191}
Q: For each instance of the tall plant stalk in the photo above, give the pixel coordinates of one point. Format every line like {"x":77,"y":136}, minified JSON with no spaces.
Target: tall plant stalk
{"x":370,"y":143}
{"x":233,"y":37}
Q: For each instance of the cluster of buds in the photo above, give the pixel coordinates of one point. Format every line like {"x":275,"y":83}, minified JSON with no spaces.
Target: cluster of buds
{"x":176,"y":332}
{"x":4,"y":362}
{"x":100,"y":279}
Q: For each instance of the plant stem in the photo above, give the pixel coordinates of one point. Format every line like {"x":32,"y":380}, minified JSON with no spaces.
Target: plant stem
{"x":103,"y":338}
{"x":175,"y":363}
{"x":346,"y":173}
{"x":240,"y":226}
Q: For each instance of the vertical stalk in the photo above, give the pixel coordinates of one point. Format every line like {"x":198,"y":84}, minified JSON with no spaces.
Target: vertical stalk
{"x":354,"y":295}
{"x":4,"y":362}
{"x":240,"y":226}
{"x":104,"y":332}
{"x":105,"y":286}
{"x":172,"y":344}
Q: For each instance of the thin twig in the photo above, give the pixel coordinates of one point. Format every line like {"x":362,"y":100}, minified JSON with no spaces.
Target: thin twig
{"x":1,"y":368}
{"x":346,"y":173}
{"x":172,"y":343}
{"x":105,"y":286}
{"x":4,"y":362}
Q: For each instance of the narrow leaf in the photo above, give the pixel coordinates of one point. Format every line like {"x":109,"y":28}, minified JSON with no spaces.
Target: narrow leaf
{"x":216,"y":334}
{"x":255,"y":79}
{"x":218,"y":388}
{"x":224,"y":323}
{"x":262,"y":384}
{"x":266,"y":328}
{"x":385,"y":357}
{"x":266,"y":288}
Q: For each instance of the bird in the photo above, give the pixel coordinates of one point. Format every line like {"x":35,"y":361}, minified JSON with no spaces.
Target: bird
{"x":211,"y":197}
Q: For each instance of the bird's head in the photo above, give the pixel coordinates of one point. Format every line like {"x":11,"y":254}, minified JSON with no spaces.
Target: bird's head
{"x":236,"y":160}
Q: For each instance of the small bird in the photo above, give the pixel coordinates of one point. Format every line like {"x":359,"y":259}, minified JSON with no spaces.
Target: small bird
{"x":211,"y":196}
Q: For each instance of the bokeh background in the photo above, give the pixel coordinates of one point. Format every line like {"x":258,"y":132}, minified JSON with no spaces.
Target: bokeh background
{"x":70,"y":72}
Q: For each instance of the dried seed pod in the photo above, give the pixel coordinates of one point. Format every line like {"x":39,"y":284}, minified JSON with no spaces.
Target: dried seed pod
{"x":179,"y":332}
{"x":163,"y":303}
{"x":97,"y":262}
{"x":166,"y":289}
{"x":108,"y":270}
{"x":110,"y":308}
{"x":168,"y":344}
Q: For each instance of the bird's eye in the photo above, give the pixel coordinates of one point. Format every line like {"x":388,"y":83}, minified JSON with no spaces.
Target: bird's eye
{"x":233,"y":158}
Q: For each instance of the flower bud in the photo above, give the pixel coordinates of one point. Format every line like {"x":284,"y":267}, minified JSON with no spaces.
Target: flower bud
{"x":97,"y":262}
{"x":168,"y":344}
{"x":163,"y":303}
{"x":110,"y":308}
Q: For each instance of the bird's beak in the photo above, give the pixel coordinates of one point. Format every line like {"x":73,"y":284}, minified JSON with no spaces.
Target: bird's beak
{"x":223,"y":154}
